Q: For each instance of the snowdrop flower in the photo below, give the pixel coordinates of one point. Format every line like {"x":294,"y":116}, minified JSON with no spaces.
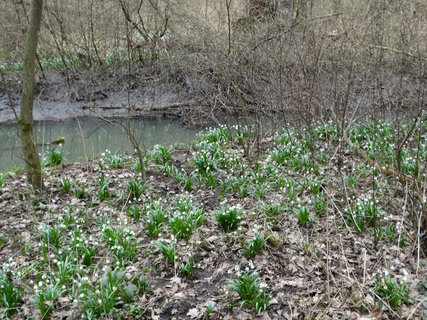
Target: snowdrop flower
{"x":251,"y":264}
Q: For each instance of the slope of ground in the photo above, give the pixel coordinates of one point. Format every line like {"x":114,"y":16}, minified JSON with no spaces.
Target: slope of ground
{"x":303,"y":227}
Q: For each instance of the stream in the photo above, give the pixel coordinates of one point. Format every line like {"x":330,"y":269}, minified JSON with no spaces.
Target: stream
{"x":91,"y":137}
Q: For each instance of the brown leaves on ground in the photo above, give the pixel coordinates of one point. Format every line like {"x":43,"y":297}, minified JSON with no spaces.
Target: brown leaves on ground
{"x":325,"y":271}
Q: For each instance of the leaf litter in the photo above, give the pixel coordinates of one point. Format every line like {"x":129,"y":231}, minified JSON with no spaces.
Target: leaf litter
{"x":326,"y":270}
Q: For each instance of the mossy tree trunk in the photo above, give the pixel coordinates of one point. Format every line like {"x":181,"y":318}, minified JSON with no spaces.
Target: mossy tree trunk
{"x":29,"y":149}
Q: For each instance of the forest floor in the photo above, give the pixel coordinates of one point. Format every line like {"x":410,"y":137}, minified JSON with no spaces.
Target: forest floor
{"x":302,"y":228}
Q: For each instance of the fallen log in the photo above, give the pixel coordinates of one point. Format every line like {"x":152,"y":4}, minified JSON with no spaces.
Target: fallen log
{"x":173,"y":105}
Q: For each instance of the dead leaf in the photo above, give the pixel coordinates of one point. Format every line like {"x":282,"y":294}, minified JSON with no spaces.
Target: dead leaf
{"x":158,"y":291}
{"x":193,"y":313}
{"x":291,"y":269}
{"x":176,"y":280}
{"x":180,"y":295}
{"x":298,"y":282}
{"x":264,"y":316}
{"x":366,"y":318}
{"x":154,"y":316}
{"x":369,"y":300}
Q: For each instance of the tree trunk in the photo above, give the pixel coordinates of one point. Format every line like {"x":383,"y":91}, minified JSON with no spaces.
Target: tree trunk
{"x":424,"y":230}
{"x":29,"y":149}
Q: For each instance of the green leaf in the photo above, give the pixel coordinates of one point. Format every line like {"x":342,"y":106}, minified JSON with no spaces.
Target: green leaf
{"x":120,"y":275}
{"x":130,"y":290}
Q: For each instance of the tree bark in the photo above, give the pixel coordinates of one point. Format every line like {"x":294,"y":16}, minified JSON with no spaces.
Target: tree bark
{"x":29,"y":149}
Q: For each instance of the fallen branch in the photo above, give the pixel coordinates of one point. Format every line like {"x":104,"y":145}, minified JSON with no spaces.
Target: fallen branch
{"x":163,"y":107}
{"x":384,"y":169}
{"x":174,"y":105}
{"x":372,"y":46}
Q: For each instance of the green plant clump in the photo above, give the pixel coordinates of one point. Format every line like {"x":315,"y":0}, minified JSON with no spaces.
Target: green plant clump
{"x":109,"y":292}
{"x":134,"y":211}
{"x":256,"y":244}
{"x":228,"y":217}
{"x":46,"y":297}
{"x":187,"y":269}
{"x":55,"y":156}
{"x":120,"y":241}
{"x":79,"y":189}
{"x":390,"y":290}
{"x":10,"y":295}
{"x":162,"y":154}
{"x":3,"y":177}
{"x":155,"y":217}
{"x":303,"y":214}
{"x":65,"y":184}
{"x":251,"y":291}
{"x":168,"y":250}
{"x":184,"y":222}
{"x":135,"y":189}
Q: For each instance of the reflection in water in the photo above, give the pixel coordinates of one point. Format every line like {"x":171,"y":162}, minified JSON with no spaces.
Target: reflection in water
{"x":92,"y":137}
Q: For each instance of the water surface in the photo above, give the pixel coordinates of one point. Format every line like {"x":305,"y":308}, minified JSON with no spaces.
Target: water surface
{"x":90,"y":137}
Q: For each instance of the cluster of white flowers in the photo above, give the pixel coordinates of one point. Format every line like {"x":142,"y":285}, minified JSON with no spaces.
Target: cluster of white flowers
{"x":385,"y":275}
{"x":106,"y":153}
{"x":255,"y":228}
{"x":172,"y":239}
{"x":10,"y":266}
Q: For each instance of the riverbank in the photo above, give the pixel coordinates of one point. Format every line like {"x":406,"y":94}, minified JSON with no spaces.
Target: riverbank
{"x":304,"y":225}
{"x":58,"y":99}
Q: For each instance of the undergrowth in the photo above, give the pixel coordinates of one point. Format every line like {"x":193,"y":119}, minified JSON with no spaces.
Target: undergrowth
{"x":97,"y":251}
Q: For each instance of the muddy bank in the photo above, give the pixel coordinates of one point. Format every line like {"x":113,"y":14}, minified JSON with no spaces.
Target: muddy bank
{"x":197,"y":98}
{"x":55,"y":99}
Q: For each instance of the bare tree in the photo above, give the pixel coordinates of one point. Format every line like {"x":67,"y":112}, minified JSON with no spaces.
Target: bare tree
{"x":26,"y":120}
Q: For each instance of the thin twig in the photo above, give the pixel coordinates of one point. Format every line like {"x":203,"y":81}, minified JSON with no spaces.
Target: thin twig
{"x":9,"y":96}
